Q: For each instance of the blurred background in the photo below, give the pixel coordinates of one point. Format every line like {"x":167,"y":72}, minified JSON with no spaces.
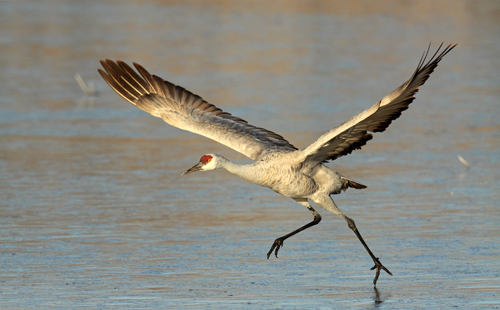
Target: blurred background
{"x":94,"y":213}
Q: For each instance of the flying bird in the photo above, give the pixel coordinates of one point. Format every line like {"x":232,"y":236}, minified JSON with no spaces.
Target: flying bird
{"x":277,"y":164}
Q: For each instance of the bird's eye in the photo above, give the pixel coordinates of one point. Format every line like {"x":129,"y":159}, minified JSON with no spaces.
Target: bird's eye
{"x":206,"y":159}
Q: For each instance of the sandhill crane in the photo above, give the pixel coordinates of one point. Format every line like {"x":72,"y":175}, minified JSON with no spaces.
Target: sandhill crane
{"x":298,"y":174}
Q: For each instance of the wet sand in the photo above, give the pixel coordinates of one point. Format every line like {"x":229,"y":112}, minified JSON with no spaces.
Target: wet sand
{"x":94,"y":212}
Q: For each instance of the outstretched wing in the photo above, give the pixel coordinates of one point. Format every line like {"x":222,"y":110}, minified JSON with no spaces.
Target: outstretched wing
{"x":353,"y":134}
{"x":185,"y":110}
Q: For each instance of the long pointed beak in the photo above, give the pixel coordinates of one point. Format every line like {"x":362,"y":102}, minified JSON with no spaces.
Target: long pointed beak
{"x":193,"y":169}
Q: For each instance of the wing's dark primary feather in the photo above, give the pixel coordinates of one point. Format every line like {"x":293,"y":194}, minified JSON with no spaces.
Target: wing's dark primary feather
{"x":353,"y":134}
{"x":185,"y":110}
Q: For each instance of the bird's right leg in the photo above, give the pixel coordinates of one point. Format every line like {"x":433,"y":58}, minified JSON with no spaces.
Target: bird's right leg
{"x":278,"y":243}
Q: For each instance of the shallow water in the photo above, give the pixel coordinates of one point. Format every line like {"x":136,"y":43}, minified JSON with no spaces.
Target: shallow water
{"x":94,"y":213}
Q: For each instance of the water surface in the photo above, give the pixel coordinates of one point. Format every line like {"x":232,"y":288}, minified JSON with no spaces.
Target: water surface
{"x":94,"y":213}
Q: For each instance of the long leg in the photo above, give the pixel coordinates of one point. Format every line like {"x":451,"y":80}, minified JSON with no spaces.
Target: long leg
{"x":328,"y":204}
{"x":278,"y":243}
{"x":378,"y":264}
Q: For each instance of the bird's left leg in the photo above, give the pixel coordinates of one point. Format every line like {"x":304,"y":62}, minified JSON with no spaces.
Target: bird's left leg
{"x":278,"y":243}
{"x":328,"y":204}
{"x":378,"y":264}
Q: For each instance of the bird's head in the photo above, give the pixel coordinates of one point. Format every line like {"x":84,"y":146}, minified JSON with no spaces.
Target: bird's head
{"x":207,"y":162}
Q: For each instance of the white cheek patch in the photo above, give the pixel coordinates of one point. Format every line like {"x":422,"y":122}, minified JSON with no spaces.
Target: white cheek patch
{"x":210,"y":166}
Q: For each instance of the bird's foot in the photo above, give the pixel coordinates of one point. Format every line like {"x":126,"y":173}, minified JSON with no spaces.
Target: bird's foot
{"x":379,"y":266}
{"x":278,"y":243}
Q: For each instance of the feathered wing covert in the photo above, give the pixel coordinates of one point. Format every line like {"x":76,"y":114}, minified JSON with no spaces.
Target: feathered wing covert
{"x":185,"y":110}
{"x":353,"y":134}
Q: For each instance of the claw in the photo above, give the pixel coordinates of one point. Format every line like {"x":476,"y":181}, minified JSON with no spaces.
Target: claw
{"x":379,"y":266}
{"x":278,"y":243}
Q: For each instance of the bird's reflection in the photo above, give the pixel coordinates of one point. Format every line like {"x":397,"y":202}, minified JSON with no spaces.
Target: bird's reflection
{"x":378,"y":297}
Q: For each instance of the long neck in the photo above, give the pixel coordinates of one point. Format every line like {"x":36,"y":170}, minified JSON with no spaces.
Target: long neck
{"x":243,"y":171}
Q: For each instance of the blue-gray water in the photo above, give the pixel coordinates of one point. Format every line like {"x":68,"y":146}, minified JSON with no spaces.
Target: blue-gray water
{"x":93,"y":212}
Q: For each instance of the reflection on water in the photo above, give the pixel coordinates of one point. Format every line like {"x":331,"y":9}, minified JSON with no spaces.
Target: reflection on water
{"x":378,"y":298}
{"x":94,"y":212}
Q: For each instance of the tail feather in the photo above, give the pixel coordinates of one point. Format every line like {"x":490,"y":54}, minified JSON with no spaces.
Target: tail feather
{"x":353,"y":184}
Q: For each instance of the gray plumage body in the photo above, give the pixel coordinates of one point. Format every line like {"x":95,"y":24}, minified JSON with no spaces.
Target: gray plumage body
{"x":298,"y":174}
{"x":284,"y":175}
